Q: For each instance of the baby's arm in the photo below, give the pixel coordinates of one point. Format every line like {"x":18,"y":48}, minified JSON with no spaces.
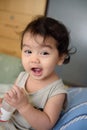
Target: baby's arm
{"x":44,"y":120}
{"x":39,"y":120}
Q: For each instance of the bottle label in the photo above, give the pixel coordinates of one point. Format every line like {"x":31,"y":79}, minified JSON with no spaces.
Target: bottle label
{"x":5,"y":116}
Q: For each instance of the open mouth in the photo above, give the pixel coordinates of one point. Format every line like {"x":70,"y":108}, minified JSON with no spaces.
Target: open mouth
{"x":37,"y":71}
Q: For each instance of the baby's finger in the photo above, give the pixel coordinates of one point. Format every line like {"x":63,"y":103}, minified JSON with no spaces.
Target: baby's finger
{"x":9,"y":94}
{"x":14,"y":91}
{"x":18,"y":91}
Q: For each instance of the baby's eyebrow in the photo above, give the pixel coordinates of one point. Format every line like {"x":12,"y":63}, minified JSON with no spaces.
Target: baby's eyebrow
{"x":42,"y":46}
{"x":25,"y":45}
{"x":48,"y":46}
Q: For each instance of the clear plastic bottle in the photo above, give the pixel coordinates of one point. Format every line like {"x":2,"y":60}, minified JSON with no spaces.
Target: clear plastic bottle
{"x":6,"y":111}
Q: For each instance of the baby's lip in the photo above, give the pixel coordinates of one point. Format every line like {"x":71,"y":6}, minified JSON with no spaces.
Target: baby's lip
{"x":37,"y":71}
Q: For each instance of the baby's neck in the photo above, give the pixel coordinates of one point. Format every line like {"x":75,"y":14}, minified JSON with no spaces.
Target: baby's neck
{"x":33,"y":85}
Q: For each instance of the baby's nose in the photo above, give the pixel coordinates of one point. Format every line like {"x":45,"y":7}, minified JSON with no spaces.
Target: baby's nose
{"x":35,"y":59}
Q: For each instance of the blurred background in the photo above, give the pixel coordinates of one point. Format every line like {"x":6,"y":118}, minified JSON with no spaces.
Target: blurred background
{"x":73,"y":13}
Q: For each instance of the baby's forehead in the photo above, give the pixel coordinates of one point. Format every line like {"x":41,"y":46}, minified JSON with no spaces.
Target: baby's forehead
{"x":41,"y":40}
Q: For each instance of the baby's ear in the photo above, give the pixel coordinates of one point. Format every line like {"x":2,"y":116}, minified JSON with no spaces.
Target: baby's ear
{"x":61,"y":59}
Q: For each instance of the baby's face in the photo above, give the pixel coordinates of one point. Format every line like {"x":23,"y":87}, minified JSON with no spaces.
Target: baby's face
{"x":39,"y":56}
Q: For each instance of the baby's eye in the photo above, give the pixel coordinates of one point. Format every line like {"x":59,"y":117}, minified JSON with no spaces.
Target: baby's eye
{"x":44,"y":53}
{"x":28,"y":51}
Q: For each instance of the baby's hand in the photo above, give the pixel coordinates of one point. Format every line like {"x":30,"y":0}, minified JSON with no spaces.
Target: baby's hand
{"x":16,"y":97}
